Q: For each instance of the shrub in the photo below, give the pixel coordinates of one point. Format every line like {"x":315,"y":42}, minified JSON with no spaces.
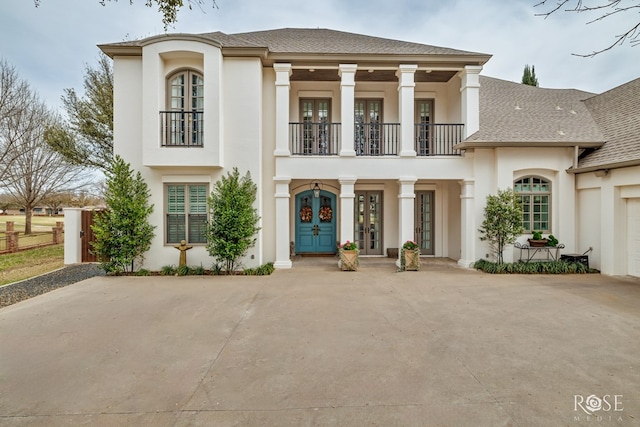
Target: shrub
{"x":552,"y":267}
{"x":168,"y":270}
{"x":183,"y":270}
{"x":263,"y":270}
{"x":143,"y":272}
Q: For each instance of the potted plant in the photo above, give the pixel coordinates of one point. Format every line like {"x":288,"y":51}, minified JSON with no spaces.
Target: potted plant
{"x":536,"y":241}
{"x":552,"y":241}
{"x":410,"y":260}
{"x":348,"y":253}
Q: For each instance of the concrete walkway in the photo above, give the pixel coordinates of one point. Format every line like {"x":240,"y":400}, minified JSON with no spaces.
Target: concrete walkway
{"x":314,"y":346}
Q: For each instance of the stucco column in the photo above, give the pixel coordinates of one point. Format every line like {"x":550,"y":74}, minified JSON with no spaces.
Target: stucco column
{"x":283,"y":71}
{"x":468,"y":223}
{"x":347,"y":206}
{"x":406,"y":210}
{"x":470,"y":91}
{"x":347,"y":95}
{"x":283,"y":256}
{"x":406,"y":89}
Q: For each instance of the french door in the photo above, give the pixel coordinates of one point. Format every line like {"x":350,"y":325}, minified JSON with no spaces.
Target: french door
{"x":424,"y":117}
{"x":368,"y":127}
{"x":315,"y":126}
{"x":368,"y":222}
{"x":424,"y":220}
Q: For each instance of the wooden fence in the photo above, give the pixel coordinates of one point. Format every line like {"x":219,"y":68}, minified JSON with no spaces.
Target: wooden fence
{"x":14,"y":241}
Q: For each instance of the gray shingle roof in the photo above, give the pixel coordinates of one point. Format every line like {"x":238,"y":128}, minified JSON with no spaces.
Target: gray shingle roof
{"x":326,"y":41}
{"x":516,"y":113}
{"x":617,"y":112}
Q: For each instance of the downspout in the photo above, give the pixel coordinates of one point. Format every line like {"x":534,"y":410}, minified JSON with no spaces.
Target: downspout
{"x":576,"y":153}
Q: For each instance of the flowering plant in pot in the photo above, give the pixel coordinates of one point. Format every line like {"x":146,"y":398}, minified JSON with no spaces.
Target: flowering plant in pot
{"x":348,"y":254}
{"x":410,"y":258}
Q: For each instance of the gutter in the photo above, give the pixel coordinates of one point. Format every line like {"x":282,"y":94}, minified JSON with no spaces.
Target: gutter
{"x":604,"y":167}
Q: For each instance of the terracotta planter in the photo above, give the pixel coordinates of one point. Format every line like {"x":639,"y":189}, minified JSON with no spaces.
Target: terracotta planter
{"x":537,"y":243}
{"x":411,"y":259}
{"x":349,"y":260}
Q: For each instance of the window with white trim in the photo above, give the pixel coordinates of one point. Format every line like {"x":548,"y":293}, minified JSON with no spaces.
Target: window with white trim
{"x":535,"y":198}
{"x":186,"y":213}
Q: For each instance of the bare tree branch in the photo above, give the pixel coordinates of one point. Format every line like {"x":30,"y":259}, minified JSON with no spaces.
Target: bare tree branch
{"x":614,"y":7}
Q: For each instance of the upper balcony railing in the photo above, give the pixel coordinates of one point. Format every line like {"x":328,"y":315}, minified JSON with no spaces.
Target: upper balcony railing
{"x":314,"y":139}
{"x":181,"y":128}
{"x":374,"y":139}
{"x":438,"y":139}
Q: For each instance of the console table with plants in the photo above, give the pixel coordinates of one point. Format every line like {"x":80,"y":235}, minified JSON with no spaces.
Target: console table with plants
{"x":528,"y":253}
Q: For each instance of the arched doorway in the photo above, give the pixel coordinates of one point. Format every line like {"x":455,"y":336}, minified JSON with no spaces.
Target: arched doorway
{"x":315,"y":223}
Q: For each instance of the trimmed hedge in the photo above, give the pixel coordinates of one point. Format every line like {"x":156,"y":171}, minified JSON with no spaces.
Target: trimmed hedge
{"x":551,"y":267}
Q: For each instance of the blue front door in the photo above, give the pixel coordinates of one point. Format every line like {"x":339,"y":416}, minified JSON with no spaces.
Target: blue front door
{"x":315,"y":223}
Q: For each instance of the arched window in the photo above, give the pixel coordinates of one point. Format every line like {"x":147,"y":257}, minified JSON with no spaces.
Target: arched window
{"x":183,"y":121}
{"x":535,"y":196}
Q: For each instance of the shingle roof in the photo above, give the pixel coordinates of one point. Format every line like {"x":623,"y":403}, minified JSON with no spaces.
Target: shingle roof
{"x":617,"y":112}
{"x":319,"y":41}
{"x":516,"y":113}
{"x":326,"y":41}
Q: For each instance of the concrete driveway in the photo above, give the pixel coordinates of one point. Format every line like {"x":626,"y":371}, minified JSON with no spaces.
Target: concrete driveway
{"x":314,"y":346}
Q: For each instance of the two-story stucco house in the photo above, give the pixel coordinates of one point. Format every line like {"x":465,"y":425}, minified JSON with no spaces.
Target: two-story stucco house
{"x":352,"y":137}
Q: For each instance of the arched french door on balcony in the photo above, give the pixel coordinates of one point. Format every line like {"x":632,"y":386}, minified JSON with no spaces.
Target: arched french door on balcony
{"x":315,"y":223}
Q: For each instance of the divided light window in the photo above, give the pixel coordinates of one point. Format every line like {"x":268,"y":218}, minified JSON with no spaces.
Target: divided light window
{"x":183,"y":122}
{"x":535,"y":197}
{"x":186,"y":213}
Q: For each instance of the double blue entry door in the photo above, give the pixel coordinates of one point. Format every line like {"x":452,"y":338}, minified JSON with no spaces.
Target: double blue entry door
{"x":315,"y":223}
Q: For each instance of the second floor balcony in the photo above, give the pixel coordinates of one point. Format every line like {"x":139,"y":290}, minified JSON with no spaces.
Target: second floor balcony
{"x":373,"y":139}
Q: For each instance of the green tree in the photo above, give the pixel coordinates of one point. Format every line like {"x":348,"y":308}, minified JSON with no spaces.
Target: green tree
{"x":529,"y":76}
{"x":234,"y":221}
{"x":87,"y":138}
{"x":122,"y":232}
{"x":502,"y":221}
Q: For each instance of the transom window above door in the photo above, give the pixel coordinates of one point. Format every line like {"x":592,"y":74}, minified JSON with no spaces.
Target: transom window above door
{"x":183,"y":120}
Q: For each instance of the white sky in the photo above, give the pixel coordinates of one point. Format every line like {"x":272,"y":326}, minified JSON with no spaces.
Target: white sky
{"x":51,"y":45}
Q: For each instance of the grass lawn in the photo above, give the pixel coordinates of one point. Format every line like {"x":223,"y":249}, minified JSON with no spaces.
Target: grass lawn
{"x":38,"y":223}
{"x":23,"y":265}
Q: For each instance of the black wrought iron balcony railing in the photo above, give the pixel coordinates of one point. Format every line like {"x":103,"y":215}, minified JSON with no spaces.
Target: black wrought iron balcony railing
{"x":314,"y":139}
{"x":181,"y":128}
{"x":376,"y":139}
{"x":438,"y":139}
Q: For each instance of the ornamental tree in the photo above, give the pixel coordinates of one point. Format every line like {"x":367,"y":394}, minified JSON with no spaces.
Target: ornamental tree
{"x":232,"y":230}
{"x":502,"y":221}
{"x":123,"y":232}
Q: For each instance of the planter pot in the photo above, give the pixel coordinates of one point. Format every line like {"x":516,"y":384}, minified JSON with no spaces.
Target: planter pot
{"x":411,"y":260}
{"x":537,"y":243}
{"x":349,"y":260}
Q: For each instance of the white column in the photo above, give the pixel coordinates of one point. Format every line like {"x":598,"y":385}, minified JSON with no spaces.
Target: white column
{"x":347,"y":206}
{"x":283,"y":71}
{"x":347,"y":94}
{"x":470,"y":90}
{"x":72,"y":239}
{"x":468,"y":223}
{"x":283,"y":259}
{"x":406,"y":210}
{"x":406,"y":89}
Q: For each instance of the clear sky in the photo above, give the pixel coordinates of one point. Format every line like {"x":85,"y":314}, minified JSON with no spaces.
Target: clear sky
{"x":51,"y":45}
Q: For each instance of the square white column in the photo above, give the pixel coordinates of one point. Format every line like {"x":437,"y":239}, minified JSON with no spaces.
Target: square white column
{"x":283,"y":71}
{"x":347,"y":94}
{"x":283,"y":257}
{"x":406,"y":101}
{"x":406,"y":209}
{"x":470,"y":90}
{"x":347,"y":206}
{"x":468,"y":223}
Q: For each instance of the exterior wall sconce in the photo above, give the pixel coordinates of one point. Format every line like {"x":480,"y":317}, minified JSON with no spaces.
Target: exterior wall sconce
{"x":316,"y":187}
{"x":602,"y":172}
